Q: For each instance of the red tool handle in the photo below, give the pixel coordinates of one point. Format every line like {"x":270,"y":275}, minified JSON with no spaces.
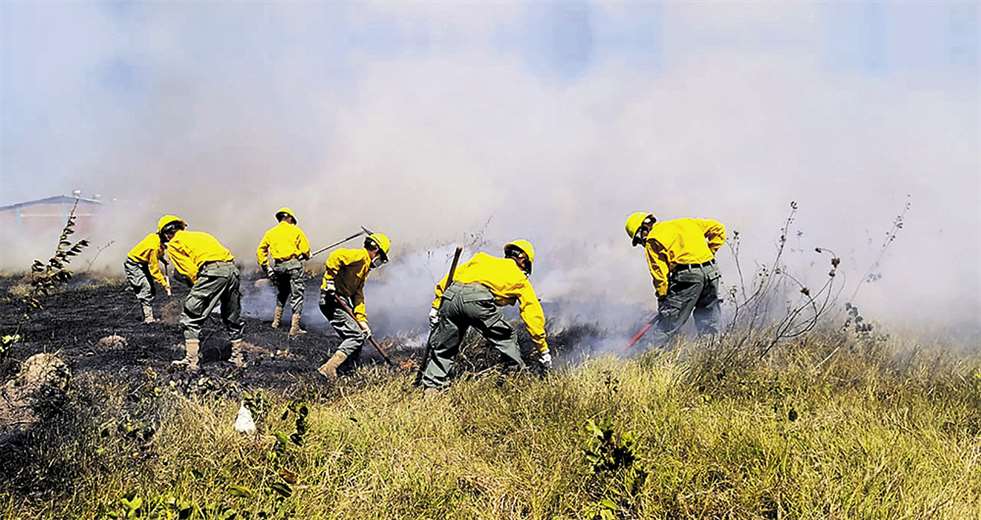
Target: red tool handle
{"x":640,"y":334}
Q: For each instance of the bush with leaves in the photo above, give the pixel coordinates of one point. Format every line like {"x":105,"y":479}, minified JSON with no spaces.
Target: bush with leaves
{"x":618,"y":477}
{"x":47,"y":276}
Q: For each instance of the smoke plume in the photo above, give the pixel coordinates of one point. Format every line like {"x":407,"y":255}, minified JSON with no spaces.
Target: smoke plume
{"x":442,"y":124}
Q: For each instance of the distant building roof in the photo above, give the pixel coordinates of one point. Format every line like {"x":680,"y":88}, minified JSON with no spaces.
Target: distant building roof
{"x":57,"y":199}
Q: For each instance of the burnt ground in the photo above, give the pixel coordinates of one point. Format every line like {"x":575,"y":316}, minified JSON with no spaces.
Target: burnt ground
{"x":83,"y":324}
{"x":74,"y":322}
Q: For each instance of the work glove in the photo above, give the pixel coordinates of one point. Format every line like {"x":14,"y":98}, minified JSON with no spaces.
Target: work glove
{"x":433,"y":317}
{"x":366,"y":329}
{"x":546,"y":360}
{"x":327,"y":293}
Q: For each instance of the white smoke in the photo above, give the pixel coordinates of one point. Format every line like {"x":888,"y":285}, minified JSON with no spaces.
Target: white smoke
{"x":546,"y":122}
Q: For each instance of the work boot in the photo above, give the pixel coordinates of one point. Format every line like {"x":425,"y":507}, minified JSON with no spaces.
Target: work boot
{"x":295,"y":329}
{"x":148,"y":314}
{"x":237,"y":358}
{"x":190,"y":361}
{"x":277,"y":316}
{"x":329,"y":369}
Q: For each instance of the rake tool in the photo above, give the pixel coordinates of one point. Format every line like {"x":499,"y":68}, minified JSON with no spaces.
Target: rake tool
{"x":364,"y":231}
{"x":347,"y":310}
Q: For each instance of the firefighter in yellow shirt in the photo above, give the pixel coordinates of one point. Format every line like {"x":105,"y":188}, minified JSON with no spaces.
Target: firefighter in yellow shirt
{"x":345,"y":273}
{"x":480,"y":287}
{"x":681,"y":257}
{"x":200,"y":260}
{"x":281,"y":254}
{"x":143,"y":265}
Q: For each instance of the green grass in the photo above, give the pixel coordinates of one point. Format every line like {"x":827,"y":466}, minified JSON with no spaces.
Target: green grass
{"x":870,"y":434}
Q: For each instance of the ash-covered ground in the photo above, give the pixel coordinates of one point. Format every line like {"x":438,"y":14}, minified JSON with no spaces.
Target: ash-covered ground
{"x":95,"y":325}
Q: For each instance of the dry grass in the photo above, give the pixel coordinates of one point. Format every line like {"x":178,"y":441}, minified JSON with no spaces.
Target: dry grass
{"x":872,"y":433}
{"x":20,"y":288}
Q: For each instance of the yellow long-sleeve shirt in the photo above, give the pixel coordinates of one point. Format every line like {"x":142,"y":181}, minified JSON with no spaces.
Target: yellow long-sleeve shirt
{"x":348,"y":269}
{"x":189,"y":250}
{"x":148,"y":251}
{"x":679,"y":242}
{"x":509,"y":284}
{"x":282,"y":242}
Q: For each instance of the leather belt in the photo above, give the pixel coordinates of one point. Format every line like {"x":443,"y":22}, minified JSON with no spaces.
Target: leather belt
{"x":687,"y":267}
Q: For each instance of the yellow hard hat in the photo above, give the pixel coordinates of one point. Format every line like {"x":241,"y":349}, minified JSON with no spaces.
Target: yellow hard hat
{"x":286,"y":210}
{"x":167,"y":219}
{"x":525,"y":247}
{"x":382,"y":241}
{"x":634,"y":221}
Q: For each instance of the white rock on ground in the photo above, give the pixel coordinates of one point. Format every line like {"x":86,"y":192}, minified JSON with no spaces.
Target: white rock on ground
{"x":112,"y":342}
{"x":34,"y":394}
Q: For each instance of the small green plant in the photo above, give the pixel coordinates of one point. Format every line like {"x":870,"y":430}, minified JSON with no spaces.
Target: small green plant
{"x":130,"y":506}
{"x":856,"y":322}
{"x":618,"y":476}
{"x":6,"y":342}
{"x":278,"y":454}
{"x":283,"y":440}
{"x":167,"y":506}
{"x":46,"y":277}
{"x":301,"y":411}
{"x":257,"y":404}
